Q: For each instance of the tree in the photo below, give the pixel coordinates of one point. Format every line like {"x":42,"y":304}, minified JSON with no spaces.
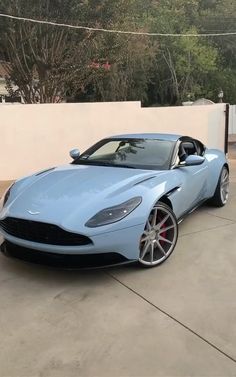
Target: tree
{"x":130,"y":58}
{"x":220,"y":16}
{"x":182,"y":64}
{"x":40,"y":55}
{"x":50,"y":63}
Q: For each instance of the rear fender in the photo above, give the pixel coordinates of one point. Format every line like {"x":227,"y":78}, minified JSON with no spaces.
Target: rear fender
{"x":216,"y":161}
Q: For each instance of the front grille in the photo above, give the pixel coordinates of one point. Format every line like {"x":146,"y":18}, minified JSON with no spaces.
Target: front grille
{"x":42,"y":232}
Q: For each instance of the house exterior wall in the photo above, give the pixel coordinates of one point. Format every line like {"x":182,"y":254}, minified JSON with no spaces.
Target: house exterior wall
{"x":34,"y":137}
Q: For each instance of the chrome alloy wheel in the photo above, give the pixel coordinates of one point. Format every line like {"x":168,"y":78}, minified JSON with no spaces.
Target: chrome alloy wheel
{"x":159,"y":237}
{"x":224,"y":185}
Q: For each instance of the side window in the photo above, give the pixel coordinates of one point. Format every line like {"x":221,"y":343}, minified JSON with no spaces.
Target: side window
{"x":187,"y":148}
{"x":200,"y":148}
{"x":190,"y":148}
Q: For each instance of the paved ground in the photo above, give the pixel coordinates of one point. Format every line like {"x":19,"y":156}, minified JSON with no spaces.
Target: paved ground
{"x":175,"y":320}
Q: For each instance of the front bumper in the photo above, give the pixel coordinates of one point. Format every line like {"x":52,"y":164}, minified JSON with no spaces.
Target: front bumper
{"x":112,"y":248}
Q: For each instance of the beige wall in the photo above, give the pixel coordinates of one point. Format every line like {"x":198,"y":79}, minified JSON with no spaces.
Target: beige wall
{"x":33,"y":137}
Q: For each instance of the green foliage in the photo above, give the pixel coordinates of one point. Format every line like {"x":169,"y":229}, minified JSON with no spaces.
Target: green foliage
{"x":49,"y":63}
{"x":183,"y":65}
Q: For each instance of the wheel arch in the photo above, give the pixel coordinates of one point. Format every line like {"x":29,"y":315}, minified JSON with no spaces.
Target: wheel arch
{"x":227,"y":166}
{"x":165,"y":199}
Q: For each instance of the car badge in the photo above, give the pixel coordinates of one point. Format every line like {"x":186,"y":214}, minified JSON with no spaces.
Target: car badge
{"x":33,"y":213}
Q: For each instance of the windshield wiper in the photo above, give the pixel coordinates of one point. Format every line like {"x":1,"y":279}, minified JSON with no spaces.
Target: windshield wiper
{"x":97,"y":163}
{"x":104,"y":163}
{"x":124,"y":166}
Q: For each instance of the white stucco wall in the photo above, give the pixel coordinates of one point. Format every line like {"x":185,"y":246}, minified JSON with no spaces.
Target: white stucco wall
{"x":33,"y":137}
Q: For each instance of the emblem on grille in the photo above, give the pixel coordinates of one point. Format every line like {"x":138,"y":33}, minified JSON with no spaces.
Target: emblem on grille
{"x":33,"y":213}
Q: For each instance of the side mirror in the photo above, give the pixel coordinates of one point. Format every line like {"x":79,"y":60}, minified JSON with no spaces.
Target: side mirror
{"x":74,"y":154}
{"x":194,"y":160}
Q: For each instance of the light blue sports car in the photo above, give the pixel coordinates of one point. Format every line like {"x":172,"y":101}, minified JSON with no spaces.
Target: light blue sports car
{"x":120,"y":201}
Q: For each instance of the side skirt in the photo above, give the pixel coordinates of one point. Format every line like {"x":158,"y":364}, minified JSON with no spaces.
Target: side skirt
{"x":186,"y":213}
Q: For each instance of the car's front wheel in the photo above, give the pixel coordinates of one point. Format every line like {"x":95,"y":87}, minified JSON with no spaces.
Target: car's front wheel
{"x":159,"y":237}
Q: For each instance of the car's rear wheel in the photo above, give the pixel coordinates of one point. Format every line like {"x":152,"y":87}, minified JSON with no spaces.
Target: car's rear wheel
{"x":221,"y":195}
{"x":159,"y":237}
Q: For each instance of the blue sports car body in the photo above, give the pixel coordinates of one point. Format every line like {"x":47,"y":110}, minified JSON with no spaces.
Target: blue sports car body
{"x":120,"y":201}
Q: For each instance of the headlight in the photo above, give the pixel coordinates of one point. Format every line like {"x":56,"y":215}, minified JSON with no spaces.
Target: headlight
{"x":113,"y":214}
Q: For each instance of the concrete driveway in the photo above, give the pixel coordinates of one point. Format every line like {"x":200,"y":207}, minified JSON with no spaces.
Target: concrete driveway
{"x":175,"y":320}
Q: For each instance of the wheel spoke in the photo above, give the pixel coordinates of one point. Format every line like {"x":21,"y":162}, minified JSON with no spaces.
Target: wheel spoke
{"x":154,"y":218}
{"x":225,"y":184}
{"x":149,"y":226}
{"x":161,"y":248}
{"x":145,"y":236}
{"x":160,"y":224}
{"x":165,"y":240}
{"x":152,"y":253}
{"x":225,"y":194}
{"x":145,"y":250}
{"x":166,"y":229}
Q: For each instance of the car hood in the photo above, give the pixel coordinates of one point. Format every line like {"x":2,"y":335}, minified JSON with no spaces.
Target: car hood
{"x":67,"y":193}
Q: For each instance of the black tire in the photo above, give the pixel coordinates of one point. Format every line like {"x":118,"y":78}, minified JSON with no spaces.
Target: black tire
{"x":159,"y":237}
{"x":222,"y":189}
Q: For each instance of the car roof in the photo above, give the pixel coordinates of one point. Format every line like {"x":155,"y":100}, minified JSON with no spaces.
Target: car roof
{"x":168,"y":137}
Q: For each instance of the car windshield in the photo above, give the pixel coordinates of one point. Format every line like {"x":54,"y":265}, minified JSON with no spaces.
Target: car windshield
{"x":151,"y":154}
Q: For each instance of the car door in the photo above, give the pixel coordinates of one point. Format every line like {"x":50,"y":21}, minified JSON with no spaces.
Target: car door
{"x":193,"y":179}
